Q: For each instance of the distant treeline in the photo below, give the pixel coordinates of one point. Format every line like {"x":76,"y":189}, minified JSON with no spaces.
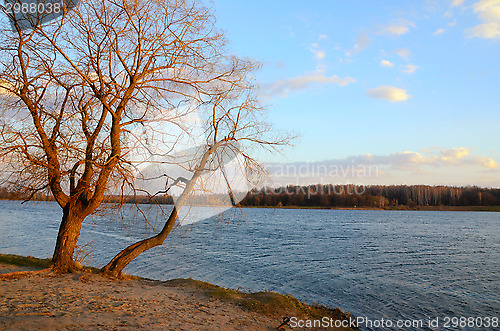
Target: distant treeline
{"x":328,"y":196}
{"x":375,"y":196}
{"x":6,"y":194}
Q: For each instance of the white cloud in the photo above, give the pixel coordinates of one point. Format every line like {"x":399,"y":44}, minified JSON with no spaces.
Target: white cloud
{"x":319,"y":54}
{"x":460,"y":156}
{"x":389,"y":93}
{"x":486,"y":31}
{"x":317,"y":51}
{"x":323,"y":37}
{"x":284,"y":86}
{"x":385,"y":63}
{"x":396,"y":29}
{"x":488,"y":12}
{"x":438,"y":157}
{"x":457,"y":3}
{"x":487,"y":8}
{"x":438,"y":32}
{"x":410,"y":68}
{"x":361,"y":43}
{"x":404,"y":53}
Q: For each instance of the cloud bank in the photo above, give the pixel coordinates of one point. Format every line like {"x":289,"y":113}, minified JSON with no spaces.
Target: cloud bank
{"x":433,"y":165}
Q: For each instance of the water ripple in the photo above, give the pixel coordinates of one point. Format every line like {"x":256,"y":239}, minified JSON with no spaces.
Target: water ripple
{"x":379,"y":264}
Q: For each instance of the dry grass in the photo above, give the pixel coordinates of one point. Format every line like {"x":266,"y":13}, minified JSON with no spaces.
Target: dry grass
{"x":267,"y":303}
{"x":25,"y":261}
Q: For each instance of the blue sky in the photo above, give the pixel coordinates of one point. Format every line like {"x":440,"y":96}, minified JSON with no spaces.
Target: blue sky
{"x":377,"y":80}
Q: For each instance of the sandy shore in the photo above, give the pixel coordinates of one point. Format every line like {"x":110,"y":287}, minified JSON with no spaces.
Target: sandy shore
{"x":92,"y":302}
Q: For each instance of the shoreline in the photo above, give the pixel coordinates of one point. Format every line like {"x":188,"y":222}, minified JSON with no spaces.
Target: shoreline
{"x":87,"y":300}
{"x":396,"y":208}
{"x":399,"y":208}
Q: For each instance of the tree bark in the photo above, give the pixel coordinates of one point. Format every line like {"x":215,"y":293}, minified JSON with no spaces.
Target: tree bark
{"x":69,"y":231}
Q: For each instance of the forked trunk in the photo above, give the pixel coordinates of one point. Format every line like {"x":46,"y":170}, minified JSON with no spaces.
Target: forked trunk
{"x":69,"y":231}
{"x":115,"y":267}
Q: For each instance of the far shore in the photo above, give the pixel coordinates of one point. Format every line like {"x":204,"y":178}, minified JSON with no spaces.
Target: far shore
{"x":43,"y":300}
{"x":399,"y":207}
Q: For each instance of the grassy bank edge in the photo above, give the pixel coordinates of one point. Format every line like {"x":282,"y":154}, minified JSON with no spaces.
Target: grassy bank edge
{"x":268,"y":303}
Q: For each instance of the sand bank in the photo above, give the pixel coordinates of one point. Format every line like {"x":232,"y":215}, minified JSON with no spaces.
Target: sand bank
{"x":88,"y":301}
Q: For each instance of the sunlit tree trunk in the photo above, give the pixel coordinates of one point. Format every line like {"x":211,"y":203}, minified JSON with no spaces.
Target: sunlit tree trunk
{"x":67,"y":238}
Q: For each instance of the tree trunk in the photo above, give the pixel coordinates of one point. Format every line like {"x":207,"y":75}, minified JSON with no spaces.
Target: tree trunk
{"x":115,"y":267}
{"x":69,"y":231}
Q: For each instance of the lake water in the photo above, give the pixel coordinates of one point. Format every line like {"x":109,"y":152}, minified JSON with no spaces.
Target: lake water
{"x":398,"y":265}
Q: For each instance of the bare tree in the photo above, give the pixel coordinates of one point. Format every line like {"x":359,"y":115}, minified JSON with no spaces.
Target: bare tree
{"x":76,"y":93}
